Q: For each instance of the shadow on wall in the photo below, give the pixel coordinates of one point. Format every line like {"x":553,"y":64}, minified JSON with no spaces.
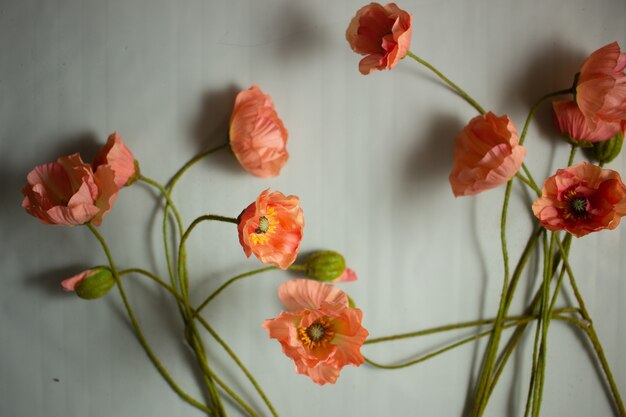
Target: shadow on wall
{"x":209,"y":128}
{"x":552,"y":68}
{"x":431,"y":157}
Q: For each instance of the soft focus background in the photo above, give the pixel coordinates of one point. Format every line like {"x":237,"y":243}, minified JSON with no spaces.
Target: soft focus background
{"x":370,"y":157}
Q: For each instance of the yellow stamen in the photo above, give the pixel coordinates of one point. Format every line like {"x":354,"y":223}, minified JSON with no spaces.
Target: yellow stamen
{"x":317,"y":335}
{"x":266,"y":228}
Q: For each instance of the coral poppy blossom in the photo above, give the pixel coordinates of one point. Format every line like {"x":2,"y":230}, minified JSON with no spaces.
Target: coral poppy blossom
{"x":487,"y":154}
{"x":271,"y":228}
{"x":258,"y":137}
{"x":581,"y":199}
{"x":67,"y":192}
{"x":382,"y":34}
{"x":320,"y":332}
{"x":601,"y":87}
{"x":121,"y":160}
{"x":571,"y":122}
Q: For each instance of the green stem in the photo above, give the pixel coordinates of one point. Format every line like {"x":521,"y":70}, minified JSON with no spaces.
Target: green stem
{"x":446,"y":80}
{"x":142,"y":340}
{"x":572,"y":154}
{"x":238,"y":362}
{"x":535,"y":107}
{"x":519,"y":332}
{"x":172,"y":182}
{"x":595,"y":341}
{"x":516,"y":321}
{"x":213,"y":333}
{"x":494,"y":341}
{"x":438,"y":329}
{"x":231,"y":281}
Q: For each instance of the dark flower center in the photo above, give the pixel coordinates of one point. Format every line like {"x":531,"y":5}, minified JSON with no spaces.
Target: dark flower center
{"x":576,"y":206}
{"x":316,"y":335}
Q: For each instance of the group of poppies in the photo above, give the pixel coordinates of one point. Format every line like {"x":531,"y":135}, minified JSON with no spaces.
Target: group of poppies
{"x":321,"y":332}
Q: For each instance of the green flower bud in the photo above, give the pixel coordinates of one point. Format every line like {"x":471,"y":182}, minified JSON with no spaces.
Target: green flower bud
{"x":96,"y":283}
{"x":606,"y":151}
{"x":325,"y":265}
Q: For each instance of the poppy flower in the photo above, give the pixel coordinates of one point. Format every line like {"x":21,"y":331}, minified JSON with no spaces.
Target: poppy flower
{"x":320,"y":332}
{"x":601,"y":86}
{"x":382,"y":34}
{"x":271,"y":228}
{"x":258,"y":137}
{"x":121,"y":160}
{"x":487,"y":154}
{"x":571,"y":122}
{"x":68,"y":192}
{"x":581,"y":199}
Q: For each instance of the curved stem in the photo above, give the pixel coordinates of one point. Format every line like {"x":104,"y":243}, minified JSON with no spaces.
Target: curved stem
{"x":229,"y":282}
{"x":438,"y":329}
{"x":593,"y":337}
{"x":238,"y":362}
{"x":446,"y":80}
{"x":142,"y":340}
{"x":172,"y":182}
{"x":212,"y":332}
{"x":535,"y":107}
{"x":492,"y":347}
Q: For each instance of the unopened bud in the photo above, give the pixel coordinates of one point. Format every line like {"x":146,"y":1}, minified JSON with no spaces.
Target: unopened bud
{"x":606,"y":151}
{"x":325,"y":265}
{"x":90,"y":284}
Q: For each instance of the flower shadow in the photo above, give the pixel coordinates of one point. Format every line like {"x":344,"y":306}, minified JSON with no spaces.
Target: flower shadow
{"x":209,"y":128}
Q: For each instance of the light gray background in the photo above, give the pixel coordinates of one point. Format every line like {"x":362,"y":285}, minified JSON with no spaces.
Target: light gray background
{"x":370,"y":158}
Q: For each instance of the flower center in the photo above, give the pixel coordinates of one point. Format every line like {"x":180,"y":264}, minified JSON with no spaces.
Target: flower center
{"x":264,"y":224}
{"x":318,"y":334}
{"x":576,"y":206}
{"x":267,"y":227}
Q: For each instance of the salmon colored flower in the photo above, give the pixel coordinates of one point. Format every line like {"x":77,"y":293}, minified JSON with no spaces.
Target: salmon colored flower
{"x":67,"y":192}
{"x":320,"y":332}
{"x":601,"y":87}
{"x":571,"y":122}
{"x":487,"y":154}
{"x":581,"y":199}
{"x":121,"y":160}
{"x":258,"y":137}
{"x":382,"y":34}
{"x":271,"y":228}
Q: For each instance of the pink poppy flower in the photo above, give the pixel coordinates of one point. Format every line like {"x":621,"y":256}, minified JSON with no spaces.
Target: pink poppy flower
{"x":320,"y":332}
{"x":67,"y":192}
{"x":271,"y":228}
{"x":487,"y":154}
{"x":581,"y":199}
{"x":258,"y":137}
{"x":121,"y":160}
{"x":571,"y":122}
{"x":382,"y":34}
{"x":601,"y":88}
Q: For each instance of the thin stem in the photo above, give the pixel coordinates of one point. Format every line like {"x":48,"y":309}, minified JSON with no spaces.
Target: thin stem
{"x":142,"y":340}
{"x":165,"y":195}
{"x":494,"y":341}
{"x":209,"y":329}
{"x":519,"y":332}
{"x":526,"y":181}
{"x":595,"y":341}
{"x":172,"y":182}
{"x":535,"y":107}
{"x":446,"y":80}
{"x":438,"y":329}
{"x":229,"y":282}
{"x":237,"y":361}
{"x":572,"y":154}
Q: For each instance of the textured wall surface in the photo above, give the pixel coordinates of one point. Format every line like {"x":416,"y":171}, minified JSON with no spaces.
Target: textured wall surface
{"x":370,"y":157}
